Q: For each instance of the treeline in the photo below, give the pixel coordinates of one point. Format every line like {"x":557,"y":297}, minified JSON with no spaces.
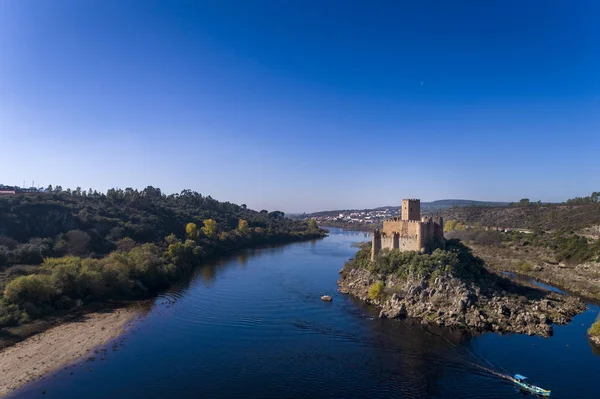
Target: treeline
{"x":121,"y":245}
{"x":75,"y":222}
{"x":591,"y":199}
{"x":132,"y":271}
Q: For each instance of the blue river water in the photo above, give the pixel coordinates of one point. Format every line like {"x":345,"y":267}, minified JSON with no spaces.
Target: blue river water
{"x":253,"y":326}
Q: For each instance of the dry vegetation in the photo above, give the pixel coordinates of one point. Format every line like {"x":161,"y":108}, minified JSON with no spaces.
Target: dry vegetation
{"x":565,"y":260}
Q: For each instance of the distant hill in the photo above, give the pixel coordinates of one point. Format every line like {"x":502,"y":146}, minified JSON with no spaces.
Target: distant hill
{"x":450,"y":203}
{"x":426,"y":207}
{"x":563,"y":216}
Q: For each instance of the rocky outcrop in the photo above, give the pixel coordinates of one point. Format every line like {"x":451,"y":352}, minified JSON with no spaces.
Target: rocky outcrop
{"x":493,"y":304}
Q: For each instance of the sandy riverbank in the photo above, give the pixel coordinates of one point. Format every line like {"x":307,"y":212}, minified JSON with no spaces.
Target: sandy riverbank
{"x":59,"y":346}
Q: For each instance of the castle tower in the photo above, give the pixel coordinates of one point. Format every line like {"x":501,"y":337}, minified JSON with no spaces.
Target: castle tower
{"x":411,"y":209}
{"x":375,"y":244}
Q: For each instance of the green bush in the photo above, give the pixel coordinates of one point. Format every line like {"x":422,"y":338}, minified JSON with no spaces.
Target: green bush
{"x":376,"y":290}
{"x":11,"y":314}
{"x":35,"y":288}
{"x":524,"y":267}
{"x":130,"y":271}
{"x":594,"y":330}
{"x":456,"y":259}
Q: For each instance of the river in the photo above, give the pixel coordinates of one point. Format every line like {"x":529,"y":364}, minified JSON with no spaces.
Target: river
{"x":253,"y":326}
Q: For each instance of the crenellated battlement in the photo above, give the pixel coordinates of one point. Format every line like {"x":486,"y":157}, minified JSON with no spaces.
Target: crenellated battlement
{"x":400,"y":220}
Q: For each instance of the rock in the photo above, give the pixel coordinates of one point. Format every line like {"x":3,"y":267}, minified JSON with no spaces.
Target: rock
{"x":478,"y":306}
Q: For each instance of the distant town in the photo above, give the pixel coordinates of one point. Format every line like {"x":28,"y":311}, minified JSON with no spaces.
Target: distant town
{"x":4,"y":189}
{"x":366,"y":216}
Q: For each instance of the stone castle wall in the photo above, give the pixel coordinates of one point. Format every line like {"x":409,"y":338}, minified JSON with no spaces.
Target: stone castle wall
{"x":409,"y":233}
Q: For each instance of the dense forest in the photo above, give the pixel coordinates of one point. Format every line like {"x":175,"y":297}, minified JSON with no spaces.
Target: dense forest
{"x":62,"y":248}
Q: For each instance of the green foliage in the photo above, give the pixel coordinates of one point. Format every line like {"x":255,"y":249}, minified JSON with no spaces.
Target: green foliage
{"x":36,"y":289}
{"x":243,"y":227}
{"x":210,"y":228}
{"x":524,"y":267}
{"x":11,"y":314}
{"x":312,"y":224}
{"x":94,"y":224}
{"x":191,"y":231}
{"x":594,"y":330}
{"x":456,"y":259}
{"x":376,"y":290}
{"x":592,"y":198}
{"x":454,"y":225}
{"x":62,"y":281}
{"x":566,"y":246}
{"x":121,"y":245}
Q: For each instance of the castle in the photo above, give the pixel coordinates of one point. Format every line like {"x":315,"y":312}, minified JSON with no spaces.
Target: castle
{"x":409,"y":233}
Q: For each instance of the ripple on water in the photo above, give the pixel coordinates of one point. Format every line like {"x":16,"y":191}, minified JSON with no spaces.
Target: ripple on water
{"x":254,"y":327}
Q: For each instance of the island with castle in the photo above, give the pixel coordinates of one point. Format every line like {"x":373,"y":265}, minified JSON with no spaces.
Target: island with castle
{"x":411,"y":270}
{"x":410,"y":232}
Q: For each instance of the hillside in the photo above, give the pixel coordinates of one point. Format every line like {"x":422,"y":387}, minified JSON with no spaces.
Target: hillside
{"x":34,"y":226}
{"x":425,"y":207}
{"x":544,"y":217}
{"x":62,"y":250}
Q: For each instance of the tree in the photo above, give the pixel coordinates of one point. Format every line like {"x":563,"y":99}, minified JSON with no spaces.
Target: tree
{"x":125,"y":244}
{"x":524,"y":202}
{"x":191,"y":230}
{"x":595,"y":196}
{"x":450,"y":225}
{"x":276,"y":215}
{"x":312,"y":224}
{"x":79,"y":242}
{"x":243,"y":227}
{"x":210,"y":228}
{"x":49,"y":189}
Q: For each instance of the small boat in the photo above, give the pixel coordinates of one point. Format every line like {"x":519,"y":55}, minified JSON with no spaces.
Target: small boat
{"x":326,"y":298}
{"x":519,"y":380}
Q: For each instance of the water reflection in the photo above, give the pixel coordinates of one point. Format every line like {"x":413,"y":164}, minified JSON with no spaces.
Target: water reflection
{"x":412,"y":357}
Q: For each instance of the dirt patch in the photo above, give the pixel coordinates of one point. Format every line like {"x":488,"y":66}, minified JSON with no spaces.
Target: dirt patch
{"x":56,"y":347}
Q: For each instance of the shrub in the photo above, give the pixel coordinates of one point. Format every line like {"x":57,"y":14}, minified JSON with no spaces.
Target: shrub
{"x":594,"y":330}
{"x":35,"y":288}
{"x":376,"y":290}
{"x":79,"y":242}
{"x":524,"y":267}
{"x":11,"y":314}
{"x":456,"y":259}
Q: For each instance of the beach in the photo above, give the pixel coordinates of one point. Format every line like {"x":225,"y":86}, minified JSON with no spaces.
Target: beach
{"x":59,"y":346}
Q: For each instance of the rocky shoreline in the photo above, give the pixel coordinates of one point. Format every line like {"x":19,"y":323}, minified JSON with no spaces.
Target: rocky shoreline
{"x":491,"y":304}
{"x":580,"y":279}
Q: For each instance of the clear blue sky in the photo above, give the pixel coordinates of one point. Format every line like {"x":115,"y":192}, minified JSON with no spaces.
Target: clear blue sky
{"x":304,"y":105}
